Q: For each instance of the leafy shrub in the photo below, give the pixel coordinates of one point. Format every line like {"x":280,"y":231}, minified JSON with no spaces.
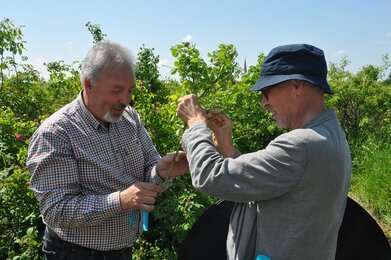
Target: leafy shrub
{"x":370,"y":183}
{"x":20,"y":223}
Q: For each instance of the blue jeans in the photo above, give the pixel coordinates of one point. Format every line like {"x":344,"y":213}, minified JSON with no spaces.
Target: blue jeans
{"x":58,"y":249}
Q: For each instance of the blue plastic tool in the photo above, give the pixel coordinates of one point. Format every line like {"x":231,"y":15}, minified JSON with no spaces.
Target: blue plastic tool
{"x":145,"y":220}
{"x":132,"y":218}
{"x":145,"y":216}
{"x":262,"y":257}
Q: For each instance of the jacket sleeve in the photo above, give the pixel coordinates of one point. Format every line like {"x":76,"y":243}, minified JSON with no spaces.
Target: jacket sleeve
{"x":260,"y":175}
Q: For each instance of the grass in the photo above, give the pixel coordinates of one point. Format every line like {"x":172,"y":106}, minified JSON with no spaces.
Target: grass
{"x":371,"y":184}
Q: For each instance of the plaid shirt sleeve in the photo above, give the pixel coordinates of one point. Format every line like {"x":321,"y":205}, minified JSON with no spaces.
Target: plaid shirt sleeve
{"x":56,"y":183}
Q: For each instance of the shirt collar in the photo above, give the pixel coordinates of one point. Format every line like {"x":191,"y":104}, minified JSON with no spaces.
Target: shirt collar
{"x":86,"y":114}
{"x":325,"y":115}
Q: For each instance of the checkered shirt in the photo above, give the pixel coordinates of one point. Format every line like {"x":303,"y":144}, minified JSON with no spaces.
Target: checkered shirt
{"x":79,"y":167}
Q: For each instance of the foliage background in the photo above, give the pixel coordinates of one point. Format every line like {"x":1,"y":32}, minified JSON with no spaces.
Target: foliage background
{"x":362,"y":101}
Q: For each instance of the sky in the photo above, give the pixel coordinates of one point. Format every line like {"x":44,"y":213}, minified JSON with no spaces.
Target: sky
{"x":55,"y":30}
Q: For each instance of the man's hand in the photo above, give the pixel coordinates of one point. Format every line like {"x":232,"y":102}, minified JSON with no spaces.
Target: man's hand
{"x":139,"y":196}
{"x":190,"y":110}
{"x":170,"y":167}
{"x":221,"y":127}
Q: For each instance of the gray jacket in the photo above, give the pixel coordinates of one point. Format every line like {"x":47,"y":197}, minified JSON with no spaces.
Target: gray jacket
{"x":290,"y":196}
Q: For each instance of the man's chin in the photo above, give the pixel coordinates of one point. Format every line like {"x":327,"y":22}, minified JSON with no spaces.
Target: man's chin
{"x":112,"y":118}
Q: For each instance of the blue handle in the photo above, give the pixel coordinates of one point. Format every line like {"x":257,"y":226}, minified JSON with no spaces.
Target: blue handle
{"x":132,"y":218}
{"x":262,"y":257}
{"x":145,"y":220}
{"x":145,"y":216}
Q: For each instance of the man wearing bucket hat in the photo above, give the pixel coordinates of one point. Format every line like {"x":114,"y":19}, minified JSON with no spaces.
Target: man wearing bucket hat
{"x":290,"y":196}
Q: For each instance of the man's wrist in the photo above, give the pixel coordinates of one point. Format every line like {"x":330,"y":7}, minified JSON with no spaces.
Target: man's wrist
{"x":228,"y":153}
{"x":196,"y":121}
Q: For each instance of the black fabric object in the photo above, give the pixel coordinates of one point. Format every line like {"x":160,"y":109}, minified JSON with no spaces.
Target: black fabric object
{"x":360,"y":237}
{"x":208,"y":236}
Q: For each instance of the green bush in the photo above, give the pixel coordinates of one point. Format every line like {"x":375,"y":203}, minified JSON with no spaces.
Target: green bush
{"x":19,"y":213}
{"x":370,"y":183}
{"x":20,"y":223}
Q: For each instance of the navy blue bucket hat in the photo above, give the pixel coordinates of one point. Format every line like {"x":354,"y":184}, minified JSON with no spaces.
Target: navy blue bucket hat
{"x":294,"y":61}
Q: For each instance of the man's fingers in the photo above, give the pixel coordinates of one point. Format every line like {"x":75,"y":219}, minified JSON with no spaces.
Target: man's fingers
{"x":149,"y":200}
{"x":181,"y":155}
{"x":149,"y":187}
{"x":147,"y":207}
{"x":214,"y":111}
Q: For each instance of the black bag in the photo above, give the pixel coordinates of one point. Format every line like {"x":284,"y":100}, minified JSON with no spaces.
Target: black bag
{"x":359,"y":237}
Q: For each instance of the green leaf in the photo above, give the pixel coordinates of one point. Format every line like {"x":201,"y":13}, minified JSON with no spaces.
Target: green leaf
{"x":30,"y":231}
{"x":174,"y":97}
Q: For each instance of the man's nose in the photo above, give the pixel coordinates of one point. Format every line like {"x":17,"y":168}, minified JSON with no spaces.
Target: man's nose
{"x":125,"y":98}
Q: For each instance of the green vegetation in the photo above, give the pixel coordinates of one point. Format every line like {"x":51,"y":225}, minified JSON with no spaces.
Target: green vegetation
{"x":370,"y":183}
{"x":362,"y":101}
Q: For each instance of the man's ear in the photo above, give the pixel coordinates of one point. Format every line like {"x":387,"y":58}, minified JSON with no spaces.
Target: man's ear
{"x":87,"y":84}
{"x":298,"y":85}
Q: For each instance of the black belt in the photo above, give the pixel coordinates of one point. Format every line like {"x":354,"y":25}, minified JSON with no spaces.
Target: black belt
{"x":70,"y":245}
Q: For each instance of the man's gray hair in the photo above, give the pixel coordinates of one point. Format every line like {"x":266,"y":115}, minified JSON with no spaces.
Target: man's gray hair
{"x":106,"y":54}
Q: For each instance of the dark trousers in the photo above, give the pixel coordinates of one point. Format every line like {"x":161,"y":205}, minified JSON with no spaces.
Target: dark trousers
{"x":56,"y":248}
